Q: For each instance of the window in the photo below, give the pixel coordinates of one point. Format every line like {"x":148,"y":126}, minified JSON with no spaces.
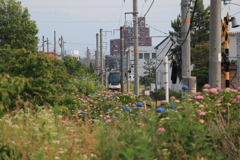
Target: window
{"x":140,"y":55}
{"x":146,"y":56}
{"x":153,"y":55}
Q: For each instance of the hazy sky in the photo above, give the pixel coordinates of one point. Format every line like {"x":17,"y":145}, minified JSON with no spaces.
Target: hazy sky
{"x":79,"y":21}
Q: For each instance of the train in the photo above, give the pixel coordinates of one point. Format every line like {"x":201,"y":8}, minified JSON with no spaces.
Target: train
{"x":114,"y":80}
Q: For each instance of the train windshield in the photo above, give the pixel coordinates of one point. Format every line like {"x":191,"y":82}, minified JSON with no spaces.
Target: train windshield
{"x":114,"y":78}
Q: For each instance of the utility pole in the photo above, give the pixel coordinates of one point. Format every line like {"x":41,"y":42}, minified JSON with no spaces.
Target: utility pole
{"x":128,"y":59}
{"x":55,"y":51}
{"x":186,"y":48}
{"x":136,"y":52}
{"x":97,"y":57}
{"x":215,"y":44}
{"x":101,"y":56}
{"x":43,"y":42}
{"x":122,"y":57}
{"x":185,"y":7}
{"x":88,"y":58}
{"x":47,"y":47}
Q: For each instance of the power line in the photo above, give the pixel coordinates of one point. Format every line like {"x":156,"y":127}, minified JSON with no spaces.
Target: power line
{"x":195,"y":5}
{"x":147,"y":11}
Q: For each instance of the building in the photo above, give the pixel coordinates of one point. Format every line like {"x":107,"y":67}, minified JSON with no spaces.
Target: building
{"x":144,"y":38}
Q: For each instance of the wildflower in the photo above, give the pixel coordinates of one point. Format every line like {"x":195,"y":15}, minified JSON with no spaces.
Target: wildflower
{"x":64,"y":122}
{"x":114,"y":117}
{"x":126,"y":109}
{"x":199,"y":97}
{"x":201,"y":120}
{"x":184,"y":87}
{"x":206,"y":85}
{"x":84,"y":112}
{"x":173,"y":105}
{"x":238,"y":98}
{"x":107,"y":117}
{"x":224,"y":110}
{"x":114,"y":96}
{"x":94,"y":95}
{"x":212,"y":91}
{"x":172,"y":97}
{"x":198,"y":111}
{"x":84,"y":88}
{"x":161,"y":129}
{"x":109,"y":110}
{"x":104,"y":98}
{"x":202,"y":113}
{"x":238,"y":88}
{"x":139,"y":104}
{"x":160,"y":110}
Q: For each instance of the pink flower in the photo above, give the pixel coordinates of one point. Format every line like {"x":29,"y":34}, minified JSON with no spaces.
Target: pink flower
{"x":64,"y":122}
{"x":238,"y":98}
{"x":206,"y":85}
{"x":199,"y":97}
{"x":205,"y":90}
{"x":161,"y":129}
{"x":202,"y":113}
{"x":108,"y":117}
{"x":224,"y":110}
{"x":238,"y":88}
{"x":212,"y":91}
{"x":172,"y":97}
{"x":198,"y":111}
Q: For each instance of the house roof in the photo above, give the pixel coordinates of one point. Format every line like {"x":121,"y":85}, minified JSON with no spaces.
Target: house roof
{"x":161,"y":42}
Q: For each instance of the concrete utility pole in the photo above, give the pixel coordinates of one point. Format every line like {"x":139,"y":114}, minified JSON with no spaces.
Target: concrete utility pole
{"x":136,"y":52}
{"x":185,"y":7}
{"x":215,"y":44}
{"x":97,"y":57}
{"x":122,"y":57}
{"x":101,"y":56}
{"x":186,"y":48}
{"x":55,"y":49}
{"x":47,"y":47}
{"x":61,"y":45}
{"x":43,"y":42}
{"x":88,"y":58}
{"x":128,"y":59}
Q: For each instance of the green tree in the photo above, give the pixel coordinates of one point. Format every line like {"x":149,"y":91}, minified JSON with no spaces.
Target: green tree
{"x":74,"y":66}
{"x":6,"y":55}
{"x":149,"y":66}
{"x":200,"y":24}
{"x":16,"y":28}
{"x":201,"y":64}
{"x":48,"y":76}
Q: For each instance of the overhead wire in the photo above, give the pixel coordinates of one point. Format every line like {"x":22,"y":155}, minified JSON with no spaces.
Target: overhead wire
{"x":147,"y":11}
{"x":195,"y":5}
{"x":121,"y":14}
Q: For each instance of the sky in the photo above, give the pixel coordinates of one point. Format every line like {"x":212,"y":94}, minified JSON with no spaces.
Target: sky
{"x":79,"y":21}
